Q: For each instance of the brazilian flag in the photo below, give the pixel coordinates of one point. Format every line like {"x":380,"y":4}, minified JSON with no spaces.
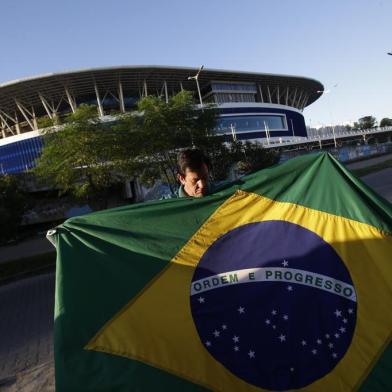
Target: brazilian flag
{"x":282,"y":281}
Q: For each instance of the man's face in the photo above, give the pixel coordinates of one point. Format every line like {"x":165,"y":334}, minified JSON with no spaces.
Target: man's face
{"x":195,"y":183}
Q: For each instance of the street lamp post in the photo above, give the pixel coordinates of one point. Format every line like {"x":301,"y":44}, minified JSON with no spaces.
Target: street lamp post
{"x":196,"y":78}
{"x":334,"y":136}
{"x":233,"y":134}
{"x":330,"y":113}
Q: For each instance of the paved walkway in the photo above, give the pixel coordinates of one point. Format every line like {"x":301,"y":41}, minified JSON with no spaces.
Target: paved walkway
{"x":26,"y":326}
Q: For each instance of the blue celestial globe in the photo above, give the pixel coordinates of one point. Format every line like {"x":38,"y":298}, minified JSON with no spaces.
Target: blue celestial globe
{"x":274,"y":303}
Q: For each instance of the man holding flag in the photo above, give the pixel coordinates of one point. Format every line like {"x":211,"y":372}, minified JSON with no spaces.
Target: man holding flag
{"x":282,"y":282}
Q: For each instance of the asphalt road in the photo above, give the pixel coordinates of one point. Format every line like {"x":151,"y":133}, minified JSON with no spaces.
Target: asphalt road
{"x":381,"y":182}
{"x":369,"y":162}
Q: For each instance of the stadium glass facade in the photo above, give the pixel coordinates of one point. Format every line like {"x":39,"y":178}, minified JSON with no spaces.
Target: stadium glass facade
{"x":19,"y":156}
{"x":251,"y":106}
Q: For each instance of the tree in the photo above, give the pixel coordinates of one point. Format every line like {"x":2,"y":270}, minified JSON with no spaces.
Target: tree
{"x":160,"y":129}
{"x":86,"y":156}
{"x":366,"y":122}
{"x":386,"y":122}
{"x":13,"y":204}
{"x":348,"y":127}
{"x":81,"y":157}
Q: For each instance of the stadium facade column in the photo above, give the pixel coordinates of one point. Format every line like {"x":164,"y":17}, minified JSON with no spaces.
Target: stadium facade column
{"x":17,"y":126}
{"x":305,"y":101}
{"x":299,"y":100}
{"x":24,"y":112}
{"x":121,"y":96}
{"x":166,"y":93}
{"x":269,"y":94}
{"x":261,"y":93}
{"x":295,"y":96}
{"x":100,"y":107}
{"x":46,"y":106}
{"x":5,"y":123}
{"x":71,"y":101}
{"x":145,"y":91}
{"x":34,"y":118}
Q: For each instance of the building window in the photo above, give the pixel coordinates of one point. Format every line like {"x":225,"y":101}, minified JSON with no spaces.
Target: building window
{"x":233,"y":97}
{"x":233,"y":87}
{"x":272,"y":122}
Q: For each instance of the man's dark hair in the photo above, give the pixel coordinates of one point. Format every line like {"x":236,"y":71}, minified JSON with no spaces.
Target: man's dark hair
{"x":192,"y":159}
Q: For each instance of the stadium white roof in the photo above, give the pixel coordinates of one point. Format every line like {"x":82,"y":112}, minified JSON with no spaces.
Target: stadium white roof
{"x":39,"y":94}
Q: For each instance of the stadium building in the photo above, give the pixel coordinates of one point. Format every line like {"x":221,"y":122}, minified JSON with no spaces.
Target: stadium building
{"x":252,"y":106}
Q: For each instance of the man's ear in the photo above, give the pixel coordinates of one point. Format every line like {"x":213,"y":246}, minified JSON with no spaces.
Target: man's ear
{"x":181,"y":179}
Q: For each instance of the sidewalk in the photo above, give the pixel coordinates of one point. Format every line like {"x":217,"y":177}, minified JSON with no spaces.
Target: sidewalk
{"x":27,"y":248}
{"x":26,"y":331}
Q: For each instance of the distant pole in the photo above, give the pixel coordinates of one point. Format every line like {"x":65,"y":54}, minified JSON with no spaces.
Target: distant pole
{"x":196,"y":78}
{"x":330,"y":113}
{"x":198,"y":90}
{"x":233,"y":133}
{"x":333,"y":133}
{"x":266,"y":132}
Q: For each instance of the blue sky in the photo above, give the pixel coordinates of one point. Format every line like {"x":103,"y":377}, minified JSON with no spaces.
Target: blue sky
{"x":337,"y":42}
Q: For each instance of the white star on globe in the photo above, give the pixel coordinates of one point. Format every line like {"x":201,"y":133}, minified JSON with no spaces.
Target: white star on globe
{"x":241,"y":310}
{"x":285,"y":263}
{"x":216,"y":333}
{"x":336,"y":335}
{"x":282,"y":338}
{"x":314,"y":351}
{"x":251,"y":354}
{"x":208,"y":343}
{"x":319,"y":341}
{"x":291,"y":369}
{"x":290,"y":288}
{"x":236,"y":348}
{"x":330,"y":345}
{"x":285,"y":317}
{"x":274,"y":312}
{"x":338,"y":313}
{"x":268,"y":322}
{"x":201,"y":300}
{"x":350,"y":311}
{"x":304,"y":343}
{"x":342,"y":329}
{"x":345,"y":320}
{"x":327,"y":335}
{"x":236,"y":339}
{"x":274,"y":326}
{"x":224,"y":326}
{"x":334,"y":355}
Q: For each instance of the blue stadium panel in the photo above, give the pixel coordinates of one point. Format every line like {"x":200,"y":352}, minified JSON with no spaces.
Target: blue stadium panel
{"x":250,"y":123}
{"x":20,"y":156}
